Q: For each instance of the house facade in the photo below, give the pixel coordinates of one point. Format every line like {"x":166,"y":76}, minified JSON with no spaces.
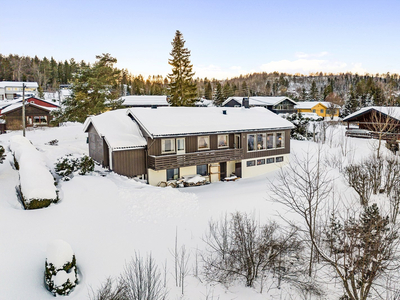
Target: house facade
{"x":169,"y":143}
{"x":322,"y":109}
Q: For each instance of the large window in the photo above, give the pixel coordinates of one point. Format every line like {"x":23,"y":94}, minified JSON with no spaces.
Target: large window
{"x":270,"y":140}
{"x":261,"y":141}
{"x":203,"y":142}
{"x":202,"y":170}
{"x":280,"y":143}
{"x":168,"y":146}
{"x":172,"y":174}
{"x":223,"y":141}
{"x":250,"y":142}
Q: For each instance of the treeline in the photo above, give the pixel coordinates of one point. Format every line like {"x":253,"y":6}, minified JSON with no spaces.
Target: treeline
{"x":363,"y":90}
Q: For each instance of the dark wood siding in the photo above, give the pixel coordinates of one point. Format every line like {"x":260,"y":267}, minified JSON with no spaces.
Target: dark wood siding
{"x":96,"y":146}
{"x":129,"y":162}
{"x":14,"y":118}
{"x":271,"y":152}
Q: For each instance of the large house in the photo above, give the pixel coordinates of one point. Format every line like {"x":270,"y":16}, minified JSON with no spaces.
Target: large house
{"x":10,"y":90}
{"x":321,"y":108}
{"x":161,"y":144}
{"x":275,"y":104}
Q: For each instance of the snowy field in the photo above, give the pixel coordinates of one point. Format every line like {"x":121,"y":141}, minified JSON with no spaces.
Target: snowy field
{"x":106,"y":218}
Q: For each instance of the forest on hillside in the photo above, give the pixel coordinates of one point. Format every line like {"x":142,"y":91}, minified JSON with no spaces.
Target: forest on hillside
{"x":348,"y":89}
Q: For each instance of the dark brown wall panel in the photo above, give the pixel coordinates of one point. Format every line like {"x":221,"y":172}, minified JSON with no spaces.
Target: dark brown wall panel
{"x":129,"y":162}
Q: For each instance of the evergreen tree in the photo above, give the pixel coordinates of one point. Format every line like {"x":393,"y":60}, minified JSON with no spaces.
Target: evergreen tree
{"x":227,"y":91}
{"x":245,"y":89}
{"x":94,"y":90}
{"x":207,"y":90}
{"x":313,"y":91}
{"x":183,"y":90}
{"x":218,"y":96}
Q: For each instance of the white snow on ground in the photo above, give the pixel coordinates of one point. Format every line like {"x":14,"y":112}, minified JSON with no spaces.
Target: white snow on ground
{"x":106,"y":218}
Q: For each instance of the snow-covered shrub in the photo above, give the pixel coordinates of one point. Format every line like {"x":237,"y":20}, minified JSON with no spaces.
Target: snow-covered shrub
{"x":53,"y":142}
{"x":1,"y":154}
{"x":66,"y":166}
{"x":37,"y":188}
{"x":60,"y":273}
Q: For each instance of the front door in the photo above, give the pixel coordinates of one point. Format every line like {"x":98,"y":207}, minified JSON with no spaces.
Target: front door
{"x":222,"y":170}
{"x":238,"y":169}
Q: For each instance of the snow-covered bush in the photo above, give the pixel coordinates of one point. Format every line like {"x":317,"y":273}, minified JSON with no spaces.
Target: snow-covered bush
{"x":301,"y":124}
{"x":66,"y":166}
{"x":60,"y":273}
{"x":37,"y":188}
{"x":1,"y":154}
{"x":53,"y":142}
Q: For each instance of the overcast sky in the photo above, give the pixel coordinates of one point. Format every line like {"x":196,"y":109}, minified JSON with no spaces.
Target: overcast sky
{"x":226,"y":38}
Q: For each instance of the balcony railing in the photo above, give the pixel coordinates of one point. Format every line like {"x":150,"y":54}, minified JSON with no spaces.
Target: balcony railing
{"x":192,"y":159}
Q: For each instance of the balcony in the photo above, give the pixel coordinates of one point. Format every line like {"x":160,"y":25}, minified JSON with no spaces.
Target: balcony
{"x":163,"y":162}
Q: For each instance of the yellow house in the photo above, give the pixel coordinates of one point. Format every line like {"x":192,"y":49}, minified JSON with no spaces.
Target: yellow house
{"x":322,"y":109}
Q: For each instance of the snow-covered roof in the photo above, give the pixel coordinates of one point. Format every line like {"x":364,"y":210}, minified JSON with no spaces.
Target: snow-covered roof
{"x":19,"y":105}
{"x":392,"y":111}
{"x":204,"y":103}
{"x":311,"y":104}
{"x":118,"y":129}
{"x":169,"y":121}
{"x":144,"y":100}
{"x":259,"y":101}
{"x":4,"y":84}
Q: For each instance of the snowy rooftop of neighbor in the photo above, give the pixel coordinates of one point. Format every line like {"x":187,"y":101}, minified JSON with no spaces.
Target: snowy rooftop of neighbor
{"x":118,"y":129}
{"x":144,"y":100}
{"x":17,"y":84}
{"x":204,"y":103}
{"x":260,"y":101}
{"x":166,"y":121}
{"x":311,"y":104}
{"x":391,"y":111}
{"x":19,"y":105}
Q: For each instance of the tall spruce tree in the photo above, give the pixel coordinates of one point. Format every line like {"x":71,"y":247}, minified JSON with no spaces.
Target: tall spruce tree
{"x":218,"y":96}
{"x":313,"y":91}
{"x":182,"y":88}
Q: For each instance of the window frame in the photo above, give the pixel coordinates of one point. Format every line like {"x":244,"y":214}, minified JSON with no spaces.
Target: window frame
{"x":282,"y":140}
{"x":270,"y":160}
{"x":172,"y":144}
{"x":173,"y":169}
{"x":184,"y":145}
{"x":206,"y":137}
{"x":250,"y":163}
{"x":260,"y":161}
{"x":197,"y":169}
{"x":227,"y":140}
{"x":280,"y":159}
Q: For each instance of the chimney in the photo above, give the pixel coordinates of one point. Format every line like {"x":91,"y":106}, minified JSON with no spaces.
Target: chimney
{"x":245,"y":103}
{"x":224,"y":112}
{"x":154,"y":107}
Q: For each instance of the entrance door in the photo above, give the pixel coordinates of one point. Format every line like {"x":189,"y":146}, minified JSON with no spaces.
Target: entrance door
{"x":222,"y":170}
{"x":238,"y":169}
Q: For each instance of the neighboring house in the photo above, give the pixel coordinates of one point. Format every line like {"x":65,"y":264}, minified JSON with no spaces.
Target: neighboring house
{"x":376,"y":119}
{"x":161,"y":144}
{"x":144,"y":101}
{"x":322,"y":109}
{"x":275,"y":104}
{"x":36,"y":115}
{"x":10,"y":90}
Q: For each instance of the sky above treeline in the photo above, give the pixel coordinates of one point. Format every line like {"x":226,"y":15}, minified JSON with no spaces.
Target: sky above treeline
{"x":226,"y":38}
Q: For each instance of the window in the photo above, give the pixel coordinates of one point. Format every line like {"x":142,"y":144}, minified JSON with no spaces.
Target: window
{"x":313,"y":110}
{"x":261,"y":141}
{"x":260,"y":162}
{"x":168,"y":146}
{"x":202,"y":170}
{"x":203,"y":142}
{"x":270,"y":140}
{"x":43,"y":120}
{"x":222,"y":141}
{"x":250,"y":142}
{"x":172,"y":174}
{"x":180,"y":145}
{"x":279,"y":159}
{"x":251,"y":163}
{"x":270,"y":160}
{"x":279,"y":140}
{"x":322,"y":111}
